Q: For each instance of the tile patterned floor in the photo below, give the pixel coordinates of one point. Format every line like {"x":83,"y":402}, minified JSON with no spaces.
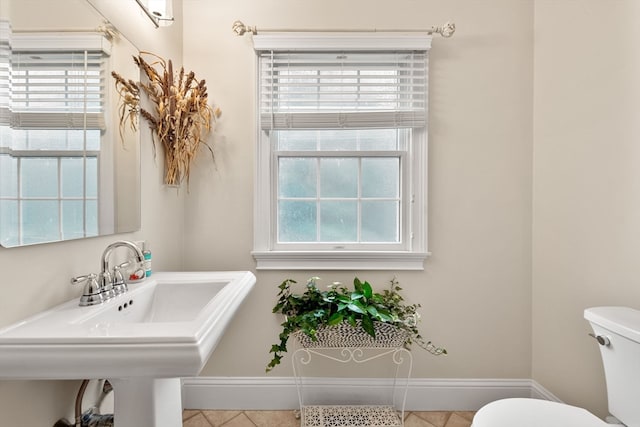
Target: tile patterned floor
{"x":194,"y":418}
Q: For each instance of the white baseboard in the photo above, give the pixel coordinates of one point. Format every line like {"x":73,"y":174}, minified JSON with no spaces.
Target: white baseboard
{"x":539,"y":392}
{"x":279,"y":393}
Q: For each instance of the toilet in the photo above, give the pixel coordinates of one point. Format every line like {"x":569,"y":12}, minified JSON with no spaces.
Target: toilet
{"x":617,"y":330}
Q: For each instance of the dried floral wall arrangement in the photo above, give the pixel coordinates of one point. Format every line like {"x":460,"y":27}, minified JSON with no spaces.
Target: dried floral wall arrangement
{"x":181,"y":117}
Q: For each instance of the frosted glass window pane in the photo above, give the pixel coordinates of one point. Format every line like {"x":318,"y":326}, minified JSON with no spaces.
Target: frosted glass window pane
{"x":339,"y":177}
{"x":379,"y":139}
{"x":57,"y":139}
{"x":297,"y":177}
{"x":49,"y":139}
{"x":93,"y":140}
{"x":380,"y":177}
{"x":8,"y":176}
{"x":72,"y":219}
{"x":338,"y":221}
{"x":72,"y":177}
{"x":40,"y":221}
{"x":39,"y":177}
{"x":297,"y":140}
{"x":380,"y":221}
{"x":75,"y":140}
{"x":335,"y":140}
{"x":92,"y":176}
{"x":19,"y":139}
{"x":338,"y":140}
{"x":9,"y":223}
{"x":92,"y":217}
{"x":6,"y":136}
{"x":296,"y":221}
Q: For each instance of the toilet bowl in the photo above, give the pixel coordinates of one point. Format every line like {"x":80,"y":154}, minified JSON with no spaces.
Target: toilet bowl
{"x":617,"y":331}
{"x":522,"y":412}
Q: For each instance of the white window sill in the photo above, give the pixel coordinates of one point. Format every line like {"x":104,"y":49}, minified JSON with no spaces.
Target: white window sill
{"x":339,"y":260}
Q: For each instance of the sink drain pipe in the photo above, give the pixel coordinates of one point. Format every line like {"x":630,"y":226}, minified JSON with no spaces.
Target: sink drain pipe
{"x":79,"y":396}
{"x":90,"y":418}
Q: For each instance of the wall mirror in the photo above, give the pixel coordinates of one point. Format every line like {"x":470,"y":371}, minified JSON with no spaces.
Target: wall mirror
{"x":67,"y":170}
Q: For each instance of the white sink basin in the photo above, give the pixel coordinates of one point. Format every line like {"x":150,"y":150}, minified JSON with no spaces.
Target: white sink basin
{"x":164,"y":327}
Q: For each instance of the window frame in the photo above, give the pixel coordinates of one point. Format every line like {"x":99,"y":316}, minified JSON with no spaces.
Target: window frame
{"x":271,"y":255}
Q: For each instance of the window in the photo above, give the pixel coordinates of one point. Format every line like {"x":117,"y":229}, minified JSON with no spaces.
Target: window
{"x":50,"y":141}
{"x":342,"y":145}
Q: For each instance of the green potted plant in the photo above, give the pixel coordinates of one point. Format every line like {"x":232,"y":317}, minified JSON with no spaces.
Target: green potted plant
{"x":315,"y":314}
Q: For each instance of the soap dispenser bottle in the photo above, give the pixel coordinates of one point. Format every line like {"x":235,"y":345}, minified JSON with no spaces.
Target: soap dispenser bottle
{"x":147,"y":259}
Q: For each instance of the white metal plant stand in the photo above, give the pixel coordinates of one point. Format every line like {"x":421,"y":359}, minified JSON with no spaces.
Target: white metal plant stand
{"x":345,"y":344}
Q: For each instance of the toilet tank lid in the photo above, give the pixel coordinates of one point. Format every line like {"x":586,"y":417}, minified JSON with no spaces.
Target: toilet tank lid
{"x":624,"y":321}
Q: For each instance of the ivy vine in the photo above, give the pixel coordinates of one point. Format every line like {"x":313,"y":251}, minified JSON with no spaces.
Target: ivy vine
{"x":362,"y":306}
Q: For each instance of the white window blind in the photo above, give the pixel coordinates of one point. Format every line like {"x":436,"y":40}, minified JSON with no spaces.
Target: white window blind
{"x":61,"y":90}
{"x":58,"y":89}
{"x":343,"y":89}
{"x":5,"y":72}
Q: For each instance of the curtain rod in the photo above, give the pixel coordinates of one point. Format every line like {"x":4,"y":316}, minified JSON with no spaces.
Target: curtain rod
{"x":107,"y":29}
{"x":445,"y":30}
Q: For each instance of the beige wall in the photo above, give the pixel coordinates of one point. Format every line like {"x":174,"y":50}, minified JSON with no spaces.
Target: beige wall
{"x":37,"y":277}
{"x":586,"y":210}
{"x":475,"y":291}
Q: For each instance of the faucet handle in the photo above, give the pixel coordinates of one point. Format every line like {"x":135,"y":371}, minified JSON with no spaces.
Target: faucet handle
{"x":106,"y":285}
{"x":119,"y":284}
{"x":92,"y":293}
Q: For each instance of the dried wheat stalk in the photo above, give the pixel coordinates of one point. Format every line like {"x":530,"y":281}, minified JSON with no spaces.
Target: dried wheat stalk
{"x":182,"y":116}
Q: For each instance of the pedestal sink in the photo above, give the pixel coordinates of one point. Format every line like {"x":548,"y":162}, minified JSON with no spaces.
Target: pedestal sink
{"x":143,"y":341}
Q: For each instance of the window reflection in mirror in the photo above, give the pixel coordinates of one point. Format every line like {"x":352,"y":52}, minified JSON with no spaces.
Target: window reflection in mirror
{"x":66,"y":170}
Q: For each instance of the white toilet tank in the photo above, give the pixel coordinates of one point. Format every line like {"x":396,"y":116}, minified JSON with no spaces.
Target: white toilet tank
{"x":618,"y":332}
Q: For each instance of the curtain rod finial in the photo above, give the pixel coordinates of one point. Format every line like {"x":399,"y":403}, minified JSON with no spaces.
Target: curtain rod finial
{"x":446,"y":30}
{"x":240,"y":28}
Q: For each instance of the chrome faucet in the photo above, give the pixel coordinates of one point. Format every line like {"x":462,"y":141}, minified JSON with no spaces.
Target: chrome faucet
{"x":106,"y":279}
{"x":104,"y":286}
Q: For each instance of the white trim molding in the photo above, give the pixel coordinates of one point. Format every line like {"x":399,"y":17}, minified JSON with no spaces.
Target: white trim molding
{"x":425,"y":394}
{"x":339,"y":260}
{"x":60,"y":41}
{"x":324,"y":41}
